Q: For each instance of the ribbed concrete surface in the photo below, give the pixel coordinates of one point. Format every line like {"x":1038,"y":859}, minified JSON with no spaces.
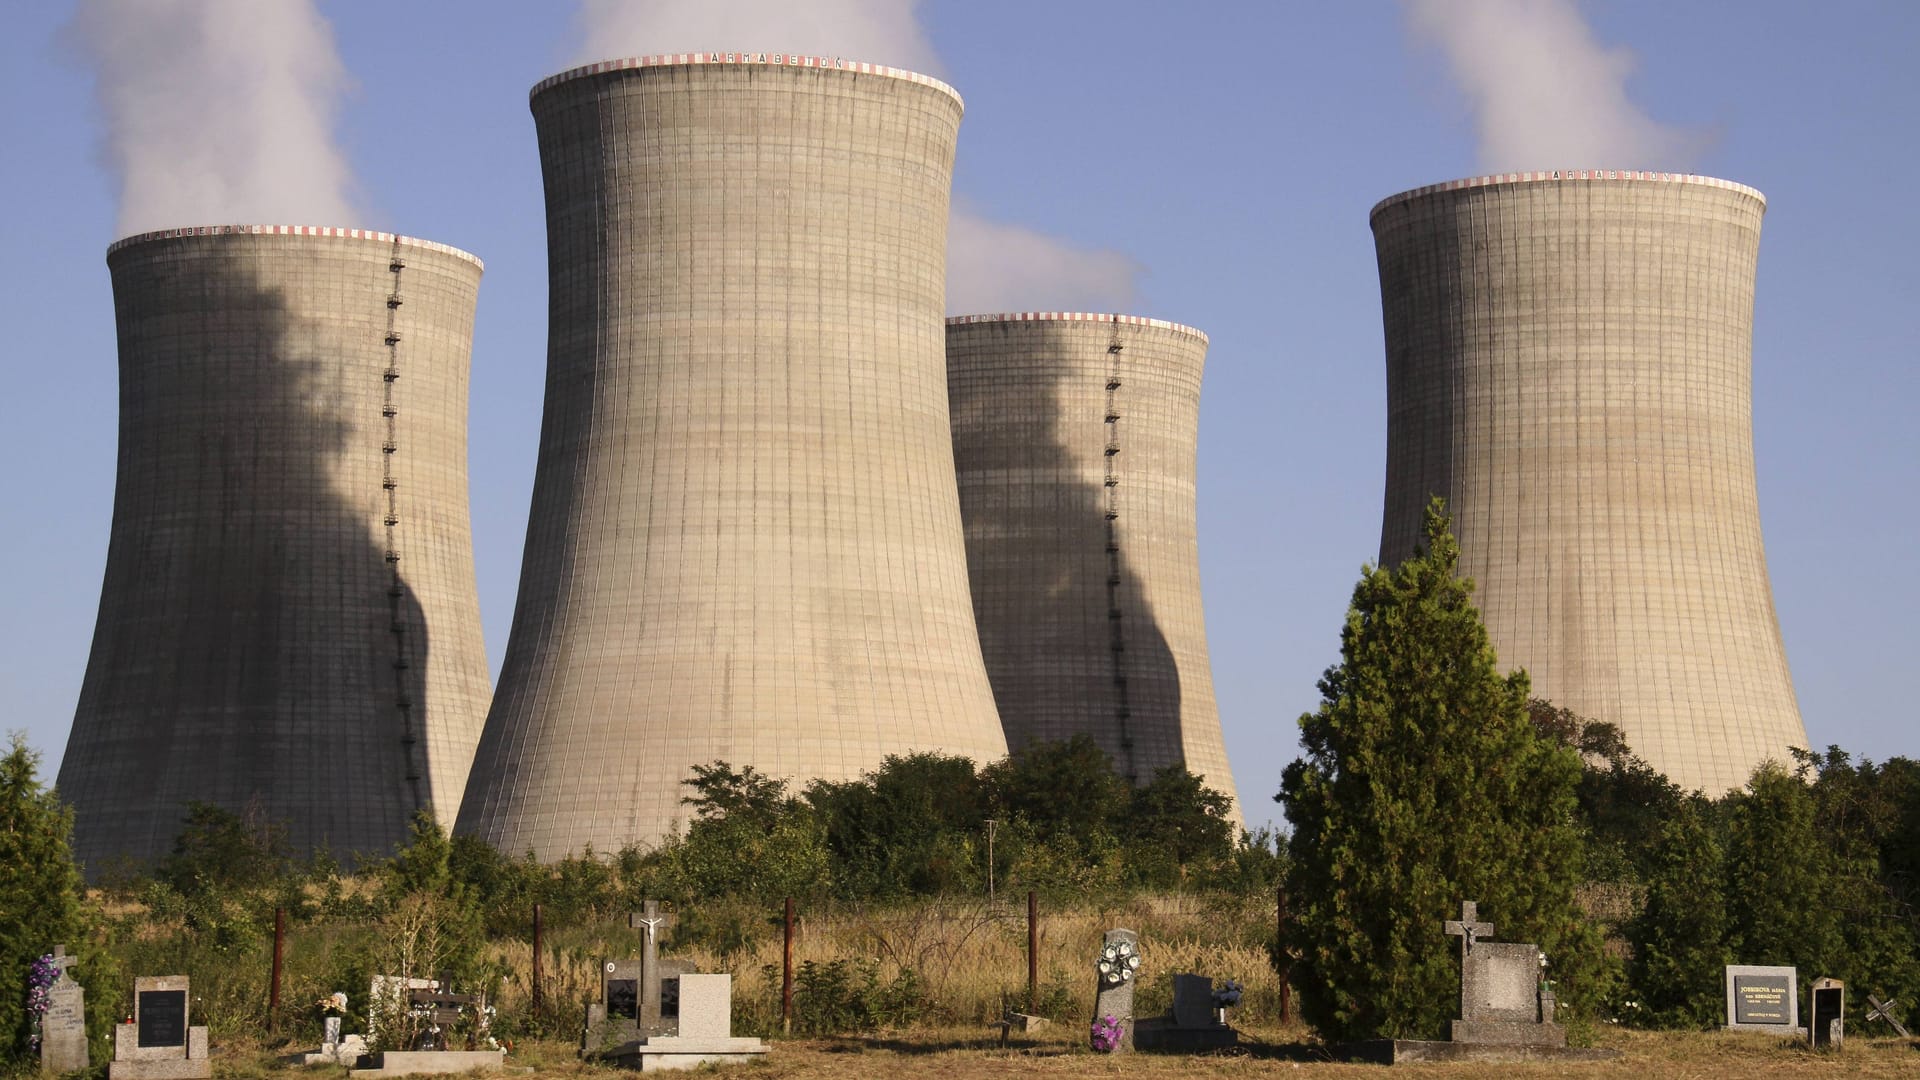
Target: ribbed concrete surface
{"x":1569,"y":363}
{"x":745,"y":539}
{"x":256,"y":647}
{"x":1074,"y":436}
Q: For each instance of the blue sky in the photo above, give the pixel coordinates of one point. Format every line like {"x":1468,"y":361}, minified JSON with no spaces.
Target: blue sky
{"x":1230,"y":152}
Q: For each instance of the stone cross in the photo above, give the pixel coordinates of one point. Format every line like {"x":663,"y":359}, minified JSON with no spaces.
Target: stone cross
{"x":1467,"y":928}
{"x":61,"y":961}
{"x":1883,"y":1010}
{"x":652,"y":921}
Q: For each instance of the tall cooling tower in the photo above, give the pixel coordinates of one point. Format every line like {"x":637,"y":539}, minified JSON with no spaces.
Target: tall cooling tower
{"x":289,"y":626}
{"x":1074,"y":436}
{"x":1569,"y":363}
{"x":745,"y":539}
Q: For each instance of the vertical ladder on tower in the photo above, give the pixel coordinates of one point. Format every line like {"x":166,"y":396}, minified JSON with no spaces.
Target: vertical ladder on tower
{"x":1116,"y":611}
{"x":397,"y":608}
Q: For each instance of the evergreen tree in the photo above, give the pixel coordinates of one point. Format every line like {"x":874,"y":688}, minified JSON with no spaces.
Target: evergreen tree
{"x":1781,"y":873}
{"x":42,"y":902}
{"x":1680,"y":936}
{"x":1424,"y":785}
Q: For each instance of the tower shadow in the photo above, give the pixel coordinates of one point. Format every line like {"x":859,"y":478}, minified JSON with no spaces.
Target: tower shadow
{"x":256,"y":648}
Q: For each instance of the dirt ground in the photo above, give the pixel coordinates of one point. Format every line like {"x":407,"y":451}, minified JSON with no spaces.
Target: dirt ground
{"x":973,"y":1054}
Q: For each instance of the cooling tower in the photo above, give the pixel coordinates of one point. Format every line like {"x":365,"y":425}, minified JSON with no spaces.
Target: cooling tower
{"x":745,"y":538}
{"x":1569,"y":364}
{"x":289,"y":626}
{"x":1074,"y":438}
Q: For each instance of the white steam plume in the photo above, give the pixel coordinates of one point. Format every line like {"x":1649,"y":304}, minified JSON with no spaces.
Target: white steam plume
{"x":991,"y":267}
{"x":218,"y":111}
{"x":1545,"y":93}
{"x":874,"y":31}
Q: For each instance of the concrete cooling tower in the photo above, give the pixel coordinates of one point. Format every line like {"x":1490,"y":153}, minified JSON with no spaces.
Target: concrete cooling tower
{"x":1074,"y":438}
{"x":745,"y":539}
{"x":1569,"y":364}
{"x":289,"y":626}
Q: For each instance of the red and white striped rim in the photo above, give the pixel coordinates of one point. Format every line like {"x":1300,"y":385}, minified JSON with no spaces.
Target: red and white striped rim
{"x":1563,"y":175}
{"x":1075,"y":316}
{"x":292,"y":230}
{"x":829,"y":63}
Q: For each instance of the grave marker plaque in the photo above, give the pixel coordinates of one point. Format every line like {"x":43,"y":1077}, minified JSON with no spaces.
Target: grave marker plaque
{"x":162,"y":1016}
{"x":1762,"y":999}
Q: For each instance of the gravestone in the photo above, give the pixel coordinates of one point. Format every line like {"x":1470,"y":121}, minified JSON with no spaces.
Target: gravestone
{"x":639,"y":996}
{"x":1761,"y":998}
{"x":1502,"y":998}
{"x":63,"y":1027}
{"x":1828,"y":1023}
{"x":705,"y":1030}
{"x":387,"y":996}
{"x":652,"y":924}
{"x":1506,"y":1009}
{"x":160,"y":1043}
{"x":1191,"y":1026}
{"x":1116,"y":968}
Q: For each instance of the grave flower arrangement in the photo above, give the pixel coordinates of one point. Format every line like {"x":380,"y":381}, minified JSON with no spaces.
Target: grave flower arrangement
{"x":40,"y":980}
{"x":1105,"y":1037}
{"x":334,"y":1004}
{"x":1118,"y":961}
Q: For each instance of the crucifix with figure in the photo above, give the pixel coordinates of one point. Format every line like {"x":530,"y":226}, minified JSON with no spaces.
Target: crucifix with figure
{"x":652,"y":922}
{"x":1468,"y":929}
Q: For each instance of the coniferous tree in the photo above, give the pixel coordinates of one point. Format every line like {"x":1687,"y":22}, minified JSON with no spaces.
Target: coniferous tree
{"x":1680,"y":935}
{"x":42,"y":901}
{"x":1425,"y":785}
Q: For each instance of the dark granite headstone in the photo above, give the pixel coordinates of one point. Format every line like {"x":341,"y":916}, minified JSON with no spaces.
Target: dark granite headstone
{"x":163,"y":1018}
{"x":623,"y":999}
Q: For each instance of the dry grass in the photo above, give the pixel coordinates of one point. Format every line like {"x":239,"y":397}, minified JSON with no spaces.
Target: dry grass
{"x":971,"y":958}
{"x":971,"y":1053}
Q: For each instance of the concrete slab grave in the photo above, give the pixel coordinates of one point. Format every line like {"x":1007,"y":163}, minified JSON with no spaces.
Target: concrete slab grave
{"x":705,"y":1031}
{"x":1192,"y":1025}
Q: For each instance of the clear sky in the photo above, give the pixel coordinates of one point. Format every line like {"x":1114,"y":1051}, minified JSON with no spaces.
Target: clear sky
{"x":1226,"y":156}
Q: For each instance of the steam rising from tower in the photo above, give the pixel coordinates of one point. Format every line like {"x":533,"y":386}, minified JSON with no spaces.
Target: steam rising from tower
{"x":218,"y":110}
{"x":745,"y":539}
{"x":289,"y":626}
{"x":1569,"y":364}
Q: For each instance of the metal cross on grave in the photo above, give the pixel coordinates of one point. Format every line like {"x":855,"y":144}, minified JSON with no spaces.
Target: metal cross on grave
{"x":1883,"y":1010}
{"x":652,"y":922}
{"x":1467,"y":928}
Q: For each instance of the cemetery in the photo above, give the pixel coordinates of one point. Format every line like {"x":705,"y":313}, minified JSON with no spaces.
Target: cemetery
{"x":1522,"y":894}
